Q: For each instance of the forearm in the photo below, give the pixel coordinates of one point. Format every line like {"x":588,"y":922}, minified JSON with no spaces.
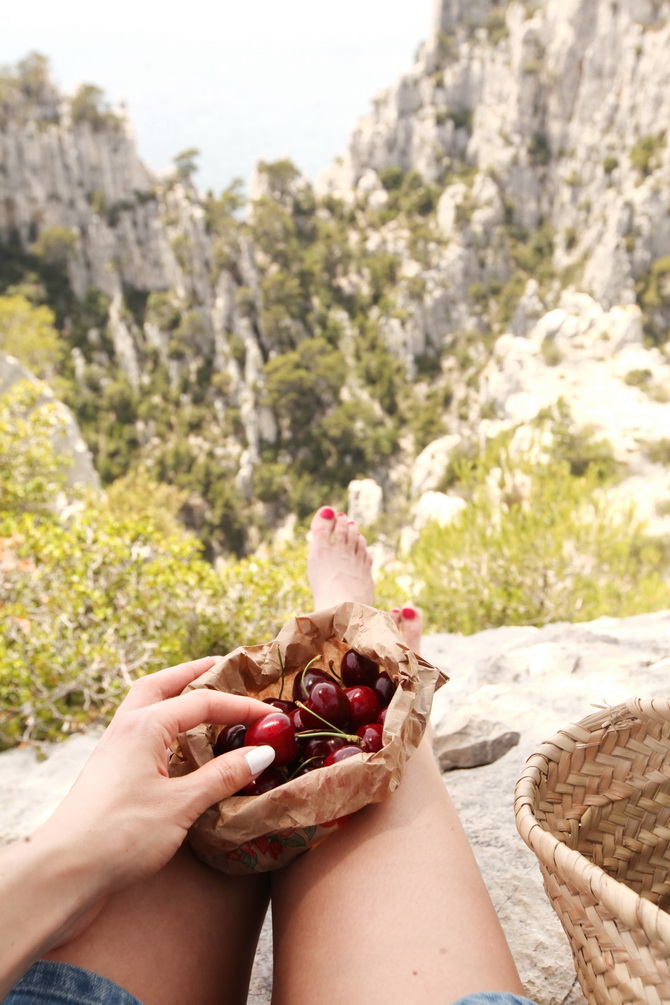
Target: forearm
{"x":45,"y":889}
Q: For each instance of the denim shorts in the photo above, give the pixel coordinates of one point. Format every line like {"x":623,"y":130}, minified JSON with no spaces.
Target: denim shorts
{"x":49,"y":983}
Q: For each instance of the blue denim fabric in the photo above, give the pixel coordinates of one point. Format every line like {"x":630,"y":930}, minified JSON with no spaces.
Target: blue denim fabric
{"x":49,"y":983}
{"x":494,"y":998}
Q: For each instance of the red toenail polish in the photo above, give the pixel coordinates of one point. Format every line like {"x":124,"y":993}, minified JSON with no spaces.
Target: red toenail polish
{"x":327,"y":513}
{"x":341,"y":514}
{"x":396,"y":610}
{"x":409,"y":613}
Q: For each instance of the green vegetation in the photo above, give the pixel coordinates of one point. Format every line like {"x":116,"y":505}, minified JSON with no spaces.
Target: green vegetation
{"x":536,"y":543}
{"x":539,"y":150}
{"x":185,"y":162}
{"x":658,"y":451}
{"x":653,"y":296}
{"x":120,"y":591}
{"x":644,"y":155}
{"x":89,"y":105}
{"x":495,"y":24}
{"x":28,"y":333}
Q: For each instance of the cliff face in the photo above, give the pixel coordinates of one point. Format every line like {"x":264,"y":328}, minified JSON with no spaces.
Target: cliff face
{"x":560,"y":110}
{"x":522,"y":160}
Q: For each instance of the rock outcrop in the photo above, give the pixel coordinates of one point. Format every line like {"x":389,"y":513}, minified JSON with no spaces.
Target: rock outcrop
{"x":67,"y":441}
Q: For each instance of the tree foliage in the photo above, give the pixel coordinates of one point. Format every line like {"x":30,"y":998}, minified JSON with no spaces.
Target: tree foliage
{"x":115,"y":589}
{"x":28,"y":332}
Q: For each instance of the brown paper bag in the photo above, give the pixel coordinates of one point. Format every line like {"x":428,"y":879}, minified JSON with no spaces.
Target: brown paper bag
{"x":245,"y":834}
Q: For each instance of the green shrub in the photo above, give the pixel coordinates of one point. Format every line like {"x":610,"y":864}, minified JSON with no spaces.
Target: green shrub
{"x":495,"y":24}
{"x":55,"y":244}
{"x":539,"y":150}
{"x":644,"y":156}
{"x":557,"y":550}
{"x":89,"y":105}
{"x":638,"y":378}
{"x":185,"y":162}
{"x":391,"y":178}
{"x":119,"y":591}
{"x":28,"y":332}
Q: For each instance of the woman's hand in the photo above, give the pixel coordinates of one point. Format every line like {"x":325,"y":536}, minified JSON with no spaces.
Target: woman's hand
{"x":123,"y":819}
{"x":128,"y":814}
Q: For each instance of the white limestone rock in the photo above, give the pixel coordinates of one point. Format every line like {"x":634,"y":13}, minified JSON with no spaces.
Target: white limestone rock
{"x":431,"y":507}
{"x":430,"y":466}
{"x":597,"y":357}
{"x":365,"y":501}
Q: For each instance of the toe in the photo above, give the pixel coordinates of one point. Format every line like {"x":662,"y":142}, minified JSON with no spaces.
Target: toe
{"x":341,"y":531}
{"x":322,"y":525}
{"x":411,"y":626}
{"x":396,"y":614}
{"x":358,"y":541}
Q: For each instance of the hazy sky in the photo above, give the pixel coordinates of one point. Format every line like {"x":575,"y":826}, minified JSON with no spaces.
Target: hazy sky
{"x":241,"y":82}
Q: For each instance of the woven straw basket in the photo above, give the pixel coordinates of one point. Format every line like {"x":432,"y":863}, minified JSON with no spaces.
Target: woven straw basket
{"x":594,"y":805}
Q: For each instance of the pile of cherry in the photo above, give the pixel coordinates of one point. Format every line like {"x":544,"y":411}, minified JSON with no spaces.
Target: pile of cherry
{"x":331,"y":717}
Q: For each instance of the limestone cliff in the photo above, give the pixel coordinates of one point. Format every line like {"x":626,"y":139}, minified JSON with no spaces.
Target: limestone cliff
{"x":559,"y":111}
{"x":519,"y":169}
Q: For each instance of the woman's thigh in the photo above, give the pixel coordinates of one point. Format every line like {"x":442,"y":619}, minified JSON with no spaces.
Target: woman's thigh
{"x":188,"y":933}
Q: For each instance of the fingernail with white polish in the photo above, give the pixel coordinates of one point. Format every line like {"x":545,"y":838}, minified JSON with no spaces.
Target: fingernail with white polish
{"x":259,"y":759}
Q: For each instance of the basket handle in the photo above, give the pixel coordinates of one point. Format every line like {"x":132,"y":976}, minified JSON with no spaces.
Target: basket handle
{"x":650,"y":708}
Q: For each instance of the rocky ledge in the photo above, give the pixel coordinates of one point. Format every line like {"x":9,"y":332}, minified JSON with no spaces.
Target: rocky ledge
{"x":510,"y":689}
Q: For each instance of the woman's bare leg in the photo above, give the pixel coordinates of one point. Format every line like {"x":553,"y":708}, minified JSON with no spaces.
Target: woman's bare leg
{"x":392,"y":908}
{"x":188,"y":934}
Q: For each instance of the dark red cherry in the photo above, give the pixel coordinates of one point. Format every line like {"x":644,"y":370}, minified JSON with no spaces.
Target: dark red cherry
{"x":384,"y":688}
{"x":268,"y":779}
{"x":381,"y":718}
{"x":371,"y":735}
{"x":341,"y":755}
{"x":230,"y":738}
{"x":321,"y":746}
{"x":281,"y":704}
{"x":304,"y":682}
{"x":356,"y":669}
{"x":329,"y":703}
{"x":297,"y":720}
{"x":277,"y":731}
{"x":364,"y":704}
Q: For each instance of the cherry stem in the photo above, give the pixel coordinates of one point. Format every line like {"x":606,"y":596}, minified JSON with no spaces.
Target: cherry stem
{"x":334,"y":672}
{"x":281,"y":667}
{"x":306,"y":668}
{"x":302,"y":765}
{"x":334,"y":731}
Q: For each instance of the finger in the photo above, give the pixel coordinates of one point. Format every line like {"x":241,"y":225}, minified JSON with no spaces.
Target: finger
{"x":165,"y":683}
{"x":175,"y":715}
{"x":223,"y":776}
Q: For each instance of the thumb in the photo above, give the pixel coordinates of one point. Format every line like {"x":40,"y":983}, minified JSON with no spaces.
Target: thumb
{"x":225,"y":775}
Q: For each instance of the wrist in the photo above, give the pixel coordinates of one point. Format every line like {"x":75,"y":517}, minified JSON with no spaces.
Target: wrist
{"x":44,"y":890}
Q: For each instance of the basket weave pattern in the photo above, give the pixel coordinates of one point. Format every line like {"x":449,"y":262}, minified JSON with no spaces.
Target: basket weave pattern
{"x":594,"y":805}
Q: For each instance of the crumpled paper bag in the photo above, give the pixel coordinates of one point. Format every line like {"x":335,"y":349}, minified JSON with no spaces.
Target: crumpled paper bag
{"x":247,"y":834}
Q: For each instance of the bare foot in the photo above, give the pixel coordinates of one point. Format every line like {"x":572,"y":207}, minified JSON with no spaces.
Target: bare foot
{"x":339,"y":567}
{"x":410,"y":625}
